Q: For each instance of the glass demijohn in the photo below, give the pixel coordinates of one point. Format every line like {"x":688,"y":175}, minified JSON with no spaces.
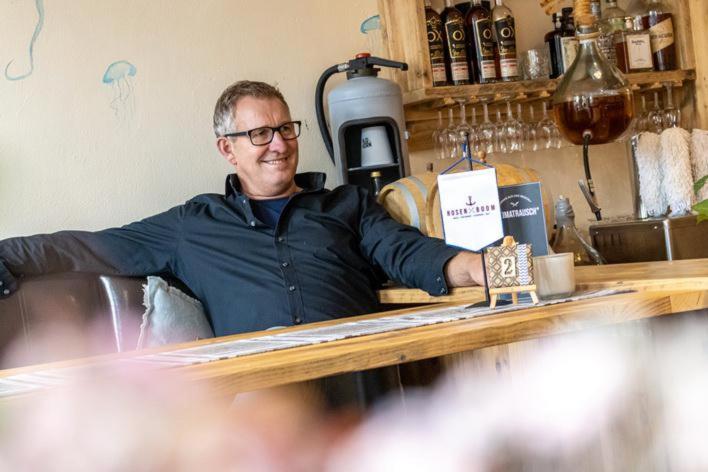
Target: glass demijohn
{"x":594,"y":99}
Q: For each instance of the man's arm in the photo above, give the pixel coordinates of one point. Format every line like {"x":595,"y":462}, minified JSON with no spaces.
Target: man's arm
{"x":411,"y":258}
{"x":140,"y":248}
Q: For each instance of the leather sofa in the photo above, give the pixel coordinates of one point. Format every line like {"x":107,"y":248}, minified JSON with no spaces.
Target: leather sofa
{"x":108,"y":307}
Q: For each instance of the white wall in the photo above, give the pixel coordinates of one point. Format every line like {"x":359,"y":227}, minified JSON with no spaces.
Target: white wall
{"x":68,"y":160}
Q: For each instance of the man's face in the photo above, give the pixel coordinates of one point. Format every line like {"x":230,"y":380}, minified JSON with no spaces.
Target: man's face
{"x":264,"y":171}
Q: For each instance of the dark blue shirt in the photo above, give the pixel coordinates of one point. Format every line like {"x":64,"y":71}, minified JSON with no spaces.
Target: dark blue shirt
{"x":321,"y":261}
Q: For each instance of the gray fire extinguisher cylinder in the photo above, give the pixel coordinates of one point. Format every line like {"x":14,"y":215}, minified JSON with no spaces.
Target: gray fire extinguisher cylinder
{"x":361,"y":99}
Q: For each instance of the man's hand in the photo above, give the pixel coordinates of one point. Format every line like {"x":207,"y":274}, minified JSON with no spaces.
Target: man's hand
{"x":464,"y":270}
{"x":8,"y":284}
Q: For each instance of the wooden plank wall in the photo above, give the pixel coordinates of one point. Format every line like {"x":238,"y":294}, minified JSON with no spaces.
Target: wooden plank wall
{"x":699,"y":31}
{"x":403,"y":28}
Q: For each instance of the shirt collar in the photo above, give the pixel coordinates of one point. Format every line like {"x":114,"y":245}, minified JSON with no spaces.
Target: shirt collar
{"x":307,"y":181}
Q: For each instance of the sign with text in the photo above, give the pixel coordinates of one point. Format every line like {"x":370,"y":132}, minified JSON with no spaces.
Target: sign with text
{"x":469,"y":203}
{"x":523,"y":217}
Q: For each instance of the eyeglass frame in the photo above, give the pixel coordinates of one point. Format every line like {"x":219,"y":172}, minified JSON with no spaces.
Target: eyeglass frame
{"x":273,"y":130}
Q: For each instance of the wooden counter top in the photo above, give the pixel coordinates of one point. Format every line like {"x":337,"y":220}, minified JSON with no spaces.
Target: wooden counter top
{"x":666,"y":288}
{"x":663,"y":275}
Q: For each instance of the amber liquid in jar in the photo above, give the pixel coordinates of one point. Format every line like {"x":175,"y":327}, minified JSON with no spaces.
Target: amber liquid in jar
{"x":606,"y":117}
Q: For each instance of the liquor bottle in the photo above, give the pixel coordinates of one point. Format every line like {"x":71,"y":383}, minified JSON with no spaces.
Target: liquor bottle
{"x":567,"y":238}
{"x":376,"y":183}
{"x":505,"y":30}
{"x":552,"y":40}
{"x":480,"y":43}
{"x":568,"y":42}
{"x":435,"y":45}
{"x":660,"y":24}
{"x":611,"y":24}
{"x":634,"y":47}
{"x":455,"y":45}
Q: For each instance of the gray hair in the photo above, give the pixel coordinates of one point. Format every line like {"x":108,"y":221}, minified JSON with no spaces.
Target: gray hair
{"x":225,"y":109}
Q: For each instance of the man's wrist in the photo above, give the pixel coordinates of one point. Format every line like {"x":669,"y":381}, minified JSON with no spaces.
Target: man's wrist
{"x":464,"y":270}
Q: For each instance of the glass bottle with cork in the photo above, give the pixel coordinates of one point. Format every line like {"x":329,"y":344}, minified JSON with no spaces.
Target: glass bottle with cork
{"x":480,"y":43}
{"x":436,"y":48}
{"x":455,"y":45}
{"x":505,"y":29}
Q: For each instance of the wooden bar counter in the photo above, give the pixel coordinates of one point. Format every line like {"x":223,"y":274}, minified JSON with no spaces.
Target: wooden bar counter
{"x":662,"y":288}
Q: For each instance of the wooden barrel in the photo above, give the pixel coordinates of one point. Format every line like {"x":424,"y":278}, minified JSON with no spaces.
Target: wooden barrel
{"x":405,"y":199}
{"x":415,"y":200}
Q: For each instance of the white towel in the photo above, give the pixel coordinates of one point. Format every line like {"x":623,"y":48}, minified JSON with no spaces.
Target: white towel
{"x":699,"y":159}
{"x":648,"y":155}
{"x":677,"y":183}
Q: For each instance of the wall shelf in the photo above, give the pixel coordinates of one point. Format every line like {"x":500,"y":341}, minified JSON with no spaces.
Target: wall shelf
{"x":524,"y":90}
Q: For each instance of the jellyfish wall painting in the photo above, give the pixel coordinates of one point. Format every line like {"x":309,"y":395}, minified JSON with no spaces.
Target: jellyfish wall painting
{"x":119,"y":77}
{"x":39,"y":4}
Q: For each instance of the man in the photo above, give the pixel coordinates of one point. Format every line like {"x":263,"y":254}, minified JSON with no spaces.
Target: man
{"x":276,"y":250}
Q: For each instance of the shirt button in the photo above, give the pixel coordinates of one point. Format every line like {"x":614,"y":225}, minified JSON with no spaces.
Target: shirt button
{"x":443,"y":291}
{"x":291,"y":288}
{"x":297,"y":320}
{"x":0,"y":283}
{"x":253,"y":223}
{"x":284,"y":264}
{"x":6,"y":292}
{"x":281,"y":239}
{"x":438,"y":279}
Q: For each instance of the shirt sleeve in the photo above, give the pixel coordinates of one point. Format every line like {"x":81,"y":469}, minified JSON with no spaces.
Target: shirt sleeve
{"x":138,"y":249}
{"x":403,"y":252}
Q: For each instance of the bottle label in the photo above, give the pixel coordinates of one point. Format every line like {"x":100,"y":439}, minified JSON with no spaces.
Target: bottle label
{"x":455,"y":39}
{"x":435,"y":40}
{"x":569,"y":49}
{"x":639,"y":52}
{"x":460,"y":71}
{"x":484,"y":44}
{"x":488,"y":70}
{"x":457,"y":50}
{"x":606,"y":44}
{"x":616,"y":24}
{"x":509,"y":68}
{"x":506,"y":39}
{"x":662,"y":34}
{"x":439,"y":74}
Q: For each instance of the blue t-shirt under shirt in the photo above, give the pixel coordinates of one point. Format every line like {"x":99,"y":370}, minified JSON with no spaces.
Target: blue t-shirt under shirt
{"x":268,"y":211}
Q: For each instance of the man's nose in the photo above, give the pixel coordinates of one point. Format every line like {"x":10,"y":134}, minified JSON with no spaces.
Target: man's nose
{"x":278,"y":143}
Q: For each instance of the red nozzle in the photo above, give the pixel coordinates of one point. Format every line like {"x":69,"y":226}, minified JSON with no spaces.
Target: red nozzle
{"x":362,"y":55}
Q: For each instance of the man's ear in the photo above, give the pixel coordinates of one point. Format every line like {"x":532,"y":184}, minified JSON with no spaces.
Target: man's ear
{"x":226,"y":149}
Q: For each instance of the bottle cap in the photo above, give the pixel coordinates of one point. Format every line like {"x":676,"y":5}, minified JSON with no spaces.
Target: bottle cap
{"x":638,"y":26}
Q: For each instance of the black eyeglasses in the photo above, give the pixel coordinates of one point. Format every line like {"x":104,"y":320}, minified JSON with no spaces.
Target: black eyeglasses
{"x":264,"y":135}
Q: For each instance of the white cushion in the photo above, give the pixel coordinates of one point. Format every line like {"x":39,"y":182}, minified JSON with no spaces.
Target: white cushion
{"x":171,"y":316}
